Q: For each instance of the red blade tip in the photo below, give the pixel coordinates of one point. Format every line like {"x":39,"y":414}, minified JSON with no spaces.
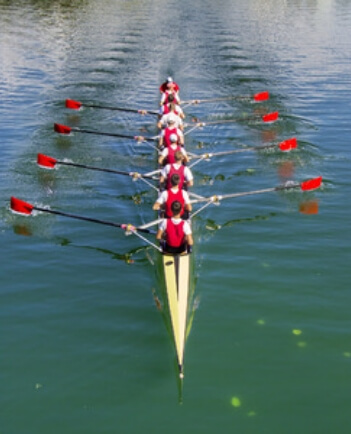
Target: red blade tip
{"x":288,"y":145}
{"x":270,"y":117}
{"x":311,"y":184}
{"x":62,"y":129}
{"x":20,"y":206}
{"x":262,"y":96}
{"x":46,"y":161}
{"x":72,"y":104}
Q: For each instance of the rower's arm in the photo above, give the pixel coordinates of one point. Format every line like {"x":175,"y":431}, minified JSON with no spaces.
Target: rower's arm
{"x":159,"y":234}
{"x":189,"y":240}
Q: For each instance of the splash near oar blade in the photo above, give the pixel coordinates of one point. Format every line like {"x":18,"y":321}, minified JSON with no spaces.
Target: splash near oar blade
{"x":270,"y":117}
{"x":262,"y":96}
{"x":288,"y":144}
{"x":72,"y":104}
{"x":20,"y":206}
{"x":46,"y":162}
{"x":311,"y":184}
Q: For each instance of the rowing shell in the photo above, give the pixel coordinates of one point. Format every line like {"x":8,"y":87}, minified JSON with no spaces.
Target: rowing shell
{"x":177,"y":282}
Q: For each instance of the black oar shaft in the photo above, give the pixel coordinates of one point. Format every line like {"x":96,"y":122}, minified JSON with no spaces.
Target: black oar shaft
{"x":99,"y":169}
{"x":121,"y":109}
{"x":87,"y":219}
{"x":100,"y":133}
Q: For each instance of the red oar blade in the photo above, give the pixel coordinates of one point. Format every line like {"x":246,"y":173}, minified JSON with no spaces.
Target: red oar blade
{"x":270,"y":117}
{"x":46,"y":161}
{"x":62,"y":129}
{"x":311,"y":184}
{"x":21,"y":207}
{"x":72,"y":104}
{"x":262,"y":96}
{"x":288,"y":144}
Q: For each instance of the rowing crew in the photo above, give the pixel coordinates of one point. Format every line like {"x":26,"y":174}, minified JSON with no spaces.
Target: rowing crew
{"x":174,"y":232}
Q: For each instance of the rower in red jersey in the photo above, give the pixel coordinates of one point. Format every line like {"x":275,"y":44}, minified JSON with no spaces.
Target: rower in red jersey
{"x":175,"y":232}
{"x":185,"y":175}
{"x":167,"y":197}
{"x":169,"y":84}
{"x":168,"y":153}
{"x":168,"y":88}
{"x":165,"y":137}
{"x":166,"y":108}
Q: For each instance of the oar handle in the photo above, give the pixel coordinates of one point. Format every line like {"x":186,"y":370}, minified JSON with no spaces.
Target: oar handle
{"x":89,"y":219}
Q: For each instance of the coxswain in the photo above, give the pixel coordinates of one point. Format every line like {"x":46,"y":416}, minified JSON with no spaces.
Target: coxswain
{"x":165,"y":136}
{"x":169,"y":84}
{"x":168,"y":88}
{"x":167,"y":155}
{"x":185,"y":175}
{"x":175,"y":232}
{"x":167,"y":197}
{"x":166,"y":108}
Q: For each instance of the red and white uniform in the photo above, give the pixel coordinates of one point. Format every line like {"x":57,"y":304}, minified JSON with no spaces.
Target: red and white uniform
{"x":164,"y":86}
{"x":164,"y":110}
{"x":166,"y":134}
{"x":168,"y":153}
{"x":165,"y":95}
{"x":178,"y":121}
{"x":183,"y":171}
{"x":176,"y":230}
{"x":167,"y":197}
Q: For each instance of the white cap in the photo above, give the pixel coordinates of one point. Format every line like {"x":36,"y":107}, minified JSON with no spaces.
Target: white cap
{"x":170,"y":80}
{"x":173,"y":138}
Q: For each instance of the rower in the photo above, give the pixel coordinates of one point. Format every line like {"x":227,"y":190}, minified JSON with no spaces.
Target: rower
{"x":166,"y":108}
{"x":167,"y":197}
{"x":170,"y":88}
{"x":168,"y":153}
{"x":169,"y":130}
{"x":174,"y":115}
{"x":186,"y":177}
{"x":169,"y":84}
{"x":176,"y":232}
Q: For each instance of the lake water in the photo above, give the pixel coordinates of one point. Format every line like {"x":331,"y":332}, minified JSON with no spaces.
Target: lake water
{"x":83,"y":347}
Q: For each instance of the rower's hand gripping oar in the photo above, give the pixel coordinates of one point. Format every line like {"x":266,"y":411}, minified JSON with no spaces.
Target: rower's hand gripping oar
{"x":47,"y":162}
{"x":285,"y":146}
{"x":64,"y":129}
{"x":76,"y":105}
{"x":258,"y":97}
{"x":309,"y":185}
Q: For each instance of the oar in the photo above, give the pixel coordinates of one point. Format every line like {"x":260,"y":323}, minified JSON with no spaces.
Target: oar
{"x":76,"y":105}
{"x":49,"y":163}
{"x":285,"y":146}
{"x":64,"y":129}
{"x":269,"y":117}
{"x":258,"y":97}
{"x":308,"y":185}
{"x":25,"y":208}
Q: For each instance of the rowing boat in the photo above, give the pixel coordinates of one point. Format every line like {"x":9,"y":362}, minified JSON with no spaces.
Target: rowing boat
{"x":177,"y":280}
